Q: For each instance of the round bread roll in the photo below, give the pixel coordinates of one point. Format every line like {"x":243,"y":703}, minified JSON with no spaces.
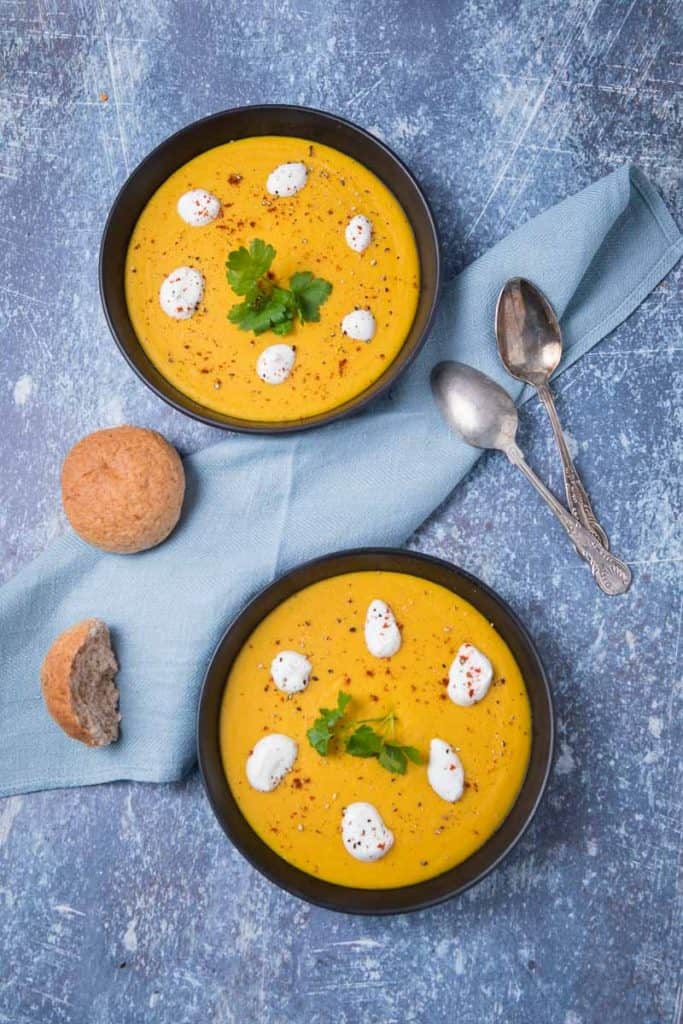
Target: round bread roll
{"x":123,"y":488}
{"x":77,"y":679}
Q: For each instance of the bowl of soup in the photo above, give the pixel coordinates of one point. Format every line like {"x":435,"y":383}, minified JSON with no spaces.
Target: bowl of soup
{"x":375,"y":731}
{"x":270,"y":268}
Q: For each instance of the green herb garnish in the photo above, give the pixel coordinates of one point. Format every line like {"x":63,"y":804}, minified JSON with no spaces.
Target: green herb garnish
{"x":368,"y":742}
{"x":395,"y":758}
{"x":364,"y":740}
{"x":322,"y":730}
{"x":266,"y":305}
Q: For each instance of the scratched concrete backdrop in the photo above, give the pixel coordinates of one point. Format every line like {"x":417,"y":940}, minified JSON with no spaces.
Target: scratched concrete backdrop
{"x":125,"y":903}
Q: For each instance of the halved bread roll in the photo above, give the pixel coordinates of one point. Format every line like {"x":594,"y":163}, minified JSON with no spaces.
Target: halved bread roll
{"x":77,"y":679}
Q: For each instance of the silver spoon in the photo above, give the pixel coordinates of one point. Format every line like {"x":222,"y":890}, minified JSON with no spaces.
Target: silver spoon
{"x":530,"y":346}
{"x":485,"y":416}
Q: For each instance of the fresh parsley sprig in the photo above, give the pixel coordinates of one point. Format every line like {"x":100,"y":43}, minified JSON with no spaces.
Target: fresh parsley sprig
{"x":366,"y":741}
{"x":322,"y":731}
{"x":363,"y":740}
{"x":267,"y":306}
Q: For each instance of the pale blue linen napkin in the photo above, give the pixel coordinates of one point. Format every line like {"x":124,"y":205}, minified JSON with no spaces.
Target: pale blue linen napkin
{"x":257,"y":506}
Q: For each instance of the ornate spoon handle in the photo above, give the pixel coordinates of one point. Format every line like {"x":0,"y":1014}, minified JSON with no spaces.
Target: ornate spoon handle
{"x":577,"y":498}
{"x":611,"y":574}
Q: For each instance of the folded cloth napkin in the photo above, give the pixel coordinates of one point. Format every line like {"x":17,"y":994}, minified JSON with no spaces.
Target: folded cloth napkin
{"x":255,"y":507}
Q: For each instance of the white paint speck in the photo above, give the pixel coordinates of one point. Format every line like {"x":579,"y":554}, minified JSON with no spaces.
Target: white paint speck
{"x":630,"y":642}
{"x":66,"y":911}
{"x":407,"y":128}
{"x":23,"y":389}
{"x":572,"y":444}
{"x":459,"y":962}
{"x":154,"y":999}
{"x":130,"y":938}
{"x":655,"y":726}
{"x":565,"y":762}
{"x":111,"y":412}
{"x":10,"y":809}
{"x":592,"y":848}
{"x":361,"y":943}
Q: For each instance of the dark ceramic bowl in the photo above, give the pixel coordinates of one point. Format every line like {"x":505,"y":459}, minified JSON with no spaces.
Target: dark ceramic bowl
{"x":433,"y":890}
{"x":243,"y":122}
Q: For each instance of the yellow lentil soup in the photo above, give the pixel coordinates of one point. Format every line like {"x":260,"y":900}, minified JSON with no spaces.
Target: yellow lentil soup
{"x":301,"y":818}
{"x":212,"y":360}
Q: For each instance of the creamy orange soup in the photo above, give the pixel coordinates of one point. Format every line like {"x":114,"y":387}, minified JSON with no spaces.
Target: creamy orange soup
{"x":212,"y":360}
{"x":301,"y":818}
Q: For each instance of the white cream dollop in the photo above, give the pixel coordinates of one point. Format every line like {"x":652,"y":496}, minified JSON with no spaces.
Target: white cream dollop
{"x":270,"y":760}
{"x":469,"y":677}
{"x":198,"y":207}
{"x":359,"y":324}
{"x":181,"y":293}
{"x":445,"y":772}
{"x":290,"y":671}
{"x":358,"y":233}
{"x":287,"y":179}
{"x":364,"y":834}
{"x":275,"y":363}
{"x":382,"y":635}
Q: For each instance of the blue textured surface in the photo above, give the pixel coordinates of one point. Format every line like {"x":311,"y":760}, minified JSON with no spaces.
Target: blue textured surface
{"x":124,"y":903}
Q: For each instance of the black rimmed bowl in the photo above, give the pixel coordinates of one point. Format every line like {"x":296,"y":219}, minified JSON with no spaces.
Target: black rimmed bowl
{"x":486,"y":858}
{"x":246,"y":122}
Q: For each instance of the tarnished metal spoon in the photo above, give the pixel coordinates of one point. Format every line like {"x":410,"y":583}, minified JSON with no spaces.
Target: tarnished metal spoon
{"x":530,"y":346}
{"x":485,"y":416}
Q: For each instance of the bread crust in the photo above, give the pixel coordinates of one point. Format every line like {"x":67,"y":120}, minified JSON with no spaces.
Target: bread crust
{"x":55,"y":678}
{"x":123,"y":488}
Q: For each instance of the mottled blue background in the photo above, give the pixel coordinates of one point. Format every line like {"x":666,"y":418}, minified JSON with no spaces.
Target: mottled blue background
{"x":125,"y":903}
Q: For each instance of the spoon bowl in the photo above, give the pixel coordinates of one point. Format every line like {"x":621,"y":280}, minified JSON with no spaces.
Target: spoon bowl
{"x":528,"y":332}
{"x":530,"y":346}
{"x":474,"y":406}
{"x":485,"y":416}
